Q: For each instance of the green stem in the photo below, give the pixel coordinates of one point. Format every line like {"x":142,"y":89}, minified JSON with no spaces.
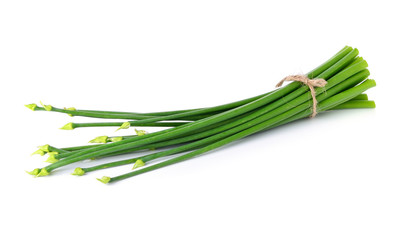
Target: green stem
{"x":59,"y":150}
{"x":94,"y":114}
{"x":116,"y":115}
{"x":78,"y":148}
{"x":118,"y":124}
{"x":353,"y":104}
{"x":361,"y":97}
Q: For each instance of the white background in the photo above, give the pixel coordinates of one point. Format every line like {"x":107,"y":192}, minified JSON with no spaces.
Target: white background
{"x":338,"y":176}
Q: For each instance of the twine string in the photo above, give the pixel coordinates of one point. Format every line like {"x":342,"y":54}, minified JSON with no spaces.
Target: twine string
{"x":311,"y":83}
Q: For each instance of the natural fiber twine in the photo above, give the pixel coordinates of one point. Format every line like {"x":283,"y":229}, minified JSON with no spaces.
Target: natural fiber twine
{"x":311,"y":83}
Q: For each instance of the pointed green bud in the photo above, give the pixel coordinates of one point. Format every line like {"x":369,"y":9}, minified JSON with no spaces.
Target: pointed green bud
{"x":45,"y":148}
{"x":43,"y":172}
{"x":104,"y":179}
{"x":115,"y":139}
{"x":39,"y":151}
{"x":68,"y":126}
{"x":101,"y":139}
{"x":46,"y":107}
{"x":34,"y":172}
{"x":31,"y":106}
{"x":139,"y":163}
{"x":78,"y":172}
{"x":125,"y":125}
{"x":52,"y":157}
{"x":140,"y":132}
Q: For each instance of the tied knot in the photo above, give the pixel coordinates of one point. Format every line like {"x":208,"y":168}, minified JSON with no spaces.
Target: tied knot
{"x":311,"y":83}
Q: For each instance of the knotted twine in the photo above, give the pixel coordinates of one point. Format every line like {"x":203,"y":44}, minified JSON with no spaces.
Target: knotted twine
{"x":311,"y":83}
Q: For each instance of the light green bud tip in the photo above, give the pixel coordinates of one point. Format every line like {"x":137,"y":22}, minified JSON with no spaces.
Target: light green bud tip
{"x":68,"y":126}
{"x":44,"y":148}
{"x":140,"y":132}
{"x":70,"y":109}
{"x":39,"y":151}
{"x":34,"y":172}
{"x":52,"y":159}
{"x":101,"y":139}
{"x":115,"y":139}
{"x":78,"y":172}
{"x":125,"y":125}
{"x":43,"y":172}
{"x":31,"y":106}
{"x":46,"y":107}
{"x":104,"y":179}
{"x":139,"y":163}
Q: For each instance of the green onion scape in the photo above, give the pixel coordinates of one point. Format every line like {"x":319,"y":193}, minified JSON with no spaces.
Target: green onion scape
{"x":191,"y":132}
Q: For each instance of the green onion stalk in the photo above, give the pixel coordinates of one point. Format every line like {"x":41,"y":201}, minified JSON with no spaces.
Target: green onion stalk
{"x":192,"y":132}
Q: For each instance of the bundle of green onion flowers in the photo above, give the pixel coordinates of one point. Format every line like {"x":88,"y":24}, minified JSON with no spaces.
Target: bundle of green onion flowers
{"x":195,"y":131}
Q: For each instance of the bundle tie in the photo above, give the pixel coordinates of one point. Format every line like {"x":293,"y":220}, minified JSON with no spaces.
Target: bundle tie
{"x":311,"y":83}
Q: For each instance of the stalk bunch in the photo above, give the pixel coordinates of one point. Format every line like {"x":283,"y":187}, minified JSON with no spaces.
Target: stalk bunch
{"x":192,"y":132}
